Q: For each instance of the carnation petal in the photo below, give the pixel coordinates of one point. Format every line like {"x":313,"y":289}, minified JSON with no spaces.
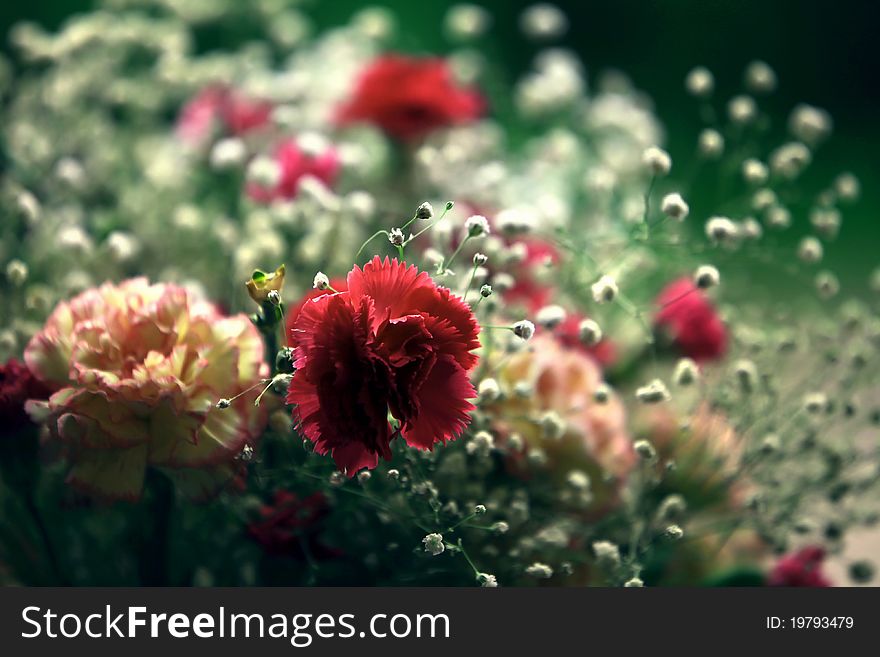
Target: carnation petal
{"x":443,"y":407}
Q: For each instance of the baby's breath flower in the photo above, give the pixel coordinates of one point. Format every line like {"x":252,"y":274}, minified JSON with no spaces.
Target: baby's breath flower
{"x":551,"y":316}
{"x":552,"y":425}
{"x":674,"y":207}
{"x":543,"y":21}
{"x":645,"y":450}
{"x":770,"y":444}
{"x":228,"y":153}
{"x":394,"y":474}
{"x":760,"y":78}
{"x":602,"y":393}
{"x":524,"y":329}
{"x":467,"y":21}
{"x":721,"y":230}
{"x":539,"y":570}
{"x":481,"y":444}
{"x":815,"y":402}
{"x":320,"y":282}
{"x":827,"y":284}
{"x":747,"y":375}
{"x":578,"y":479}
{"x":686,"y":372}
{"x":809,"y":124}
{"x":847,"y":187}
{"x":754,"y":171}
{"x":654,"y":392}
{"x":425,"y":211}
{"x":607,"y":554}
{"x":395,"y":236}
{"x":706,"y":276}
{"x":479,"y":509}
{"x":673,"y":532}
{"x":605,"y":289}
{"x":487,"y":581}
{"x":810,"y":250}
{"x":589,"y":333}
{"x":742,"y":110}
{"x":485,"y":291}
{"x":750,"y":229}
{"x":778,"y":217}
{"x":434,"y":544}
{"x":657,"y":161}
{"x":634,"y":583}
{"x":700,"y":82}
{"x":16,"y":272}
{"x":790,"y":159}
{"x":500,"y":527}
{"x":476,"y":225}
{"x":364,"y":476}
{"x":480,"y":259}
{"x":710,"y":144}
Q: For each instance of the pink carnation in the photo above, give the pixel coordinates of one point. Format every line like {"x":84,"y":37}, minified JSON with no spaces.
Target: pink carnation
{"x":138,"y":369}
{"x":294,"y":164}
{"x":219,"y":109}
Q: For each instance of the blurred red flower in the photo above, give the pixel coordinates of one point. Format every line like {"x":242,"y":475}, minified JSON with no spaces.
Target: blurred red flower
{"x":294,"y":164}
{"x":408,"y":97}
{"x":289,"y":526}
{"x":395,"y":344}
{"x":691,"y":320}
{"x":17,"y":385}
{"x":801,"y":568}
{"x":223,"y":109}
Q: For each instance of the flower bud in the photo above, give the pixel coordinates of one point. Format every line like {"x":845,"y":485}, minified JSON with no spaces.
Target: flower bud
{"x":476,"y":225}
{"x":425,"y":211}
{"x":524,"y":329}
{"x":657,"y":161}
{"x":604,"y":290}
{"x":320,"y":282}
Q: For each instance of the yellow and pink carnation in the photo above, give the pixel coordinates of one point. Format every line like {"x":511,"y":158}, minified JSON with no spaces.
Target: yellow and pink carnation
{"x":137,"y":370}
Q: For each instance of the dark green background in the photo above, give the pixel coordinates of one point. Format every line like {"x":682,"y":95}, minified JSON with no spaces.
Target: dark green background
{"x":825,"y":53}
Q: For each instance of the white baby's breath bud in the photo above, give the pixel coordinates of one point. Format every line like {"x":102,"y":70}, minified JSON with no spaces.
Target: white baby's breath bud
{"x":686,"y":373}
{"x":488,"y":390}
{"x":552,"y":425}
{"x":847,"y":187}
{"x":480,"y":259}
{"x":223,"y":404}
{"x":514,"y":442}
{"x":827,"y":284}
{"x":672,"y":506}
{"x":16,"y":272}
{"x":589,"y":333}
{"x":754,"y":171}
{"x":790,"y":159}
{"x":750,"y":229}
{"x":481,"y":444}
{"x":543,"y":21}
{"x":607,"y":554}
{"x":763,"y":199}
{"x":524,"y":329}
{"x":337,"y":479}
{"x":673,"y":532}
{"x":809,"y":124}
{"x":706,"y":277}
{"x":434,"y":544}
{"x":815,"y":403}
{"x":550,"y":317}
{"x":760,"y":78}
{"x":537,"y":457}
{"x":602,"y":393}
{"x":425,"y":211}
{"x":320,"y":282}
{"x":264,"y":171}
{"x":721,"y":230}
{"x":467,"y":21}
{"x":395,"y":236}
{"x":778,"y":217}
{"x":700,"y":82}
{"x":654,"y":392}
{"x":364,"y":476}
{"x":826,"y":221}
{"x":634,"y":583}
{"x":476,"y":225}
{"x":645,"y":450}
{"x":479,"y":509}
{"x":274,"y":297}
{"x":747,"y":374}
{"x":228,"y":153}
{"x":674,"y":207}
{"x":771,"y":444}
{"x":539,"y":570}
{"x":485,"y":291}
{"x":605,"y":289}
{"x":394,"y":474}
{"x":710,"y":144}
{"x":487,"y":581}
{"x":742,"y":110}
{"x":810,"y":250}
{"x":578,"y":479}
{"x":657,"y":161}
{"x":500,"y":527}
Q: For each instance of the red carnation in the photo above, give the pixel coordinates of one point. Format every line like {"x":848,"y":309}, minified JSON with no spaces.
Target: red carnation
{"x":801,"y":568}
{"x":395,"y":344}
{"x":220,"y":108}
{"x":294,"y":164}
{"x":17,"y":385}
{"x":692,"y":321}
{"x":291,"y":313}
{"x":408,"y":97}
{"x":289,"y":525}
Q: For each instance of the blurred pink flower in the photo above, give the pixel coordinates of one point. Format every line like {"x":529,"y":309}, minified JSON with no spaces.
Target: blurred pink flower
{"x":801,"y":568}
{"x":294,"y":164}
{"x":138,"y":369}
{"x":220,"y":109}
